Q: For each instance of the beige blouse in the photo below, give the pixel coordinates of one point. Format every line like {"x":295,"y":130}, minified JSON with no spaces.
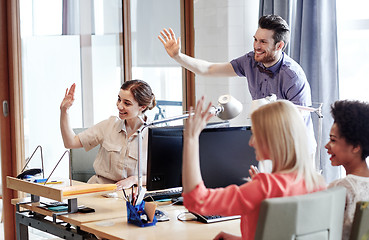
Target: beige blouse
{"x":357,"y":189}
{"x":118,"y":155}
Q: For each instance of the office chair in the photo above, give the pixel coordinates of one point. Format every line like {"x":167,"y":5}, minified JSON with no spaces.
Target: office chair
{"x":81,"y":162}
{"x":360,"y":225}
{"x":314,"y":216}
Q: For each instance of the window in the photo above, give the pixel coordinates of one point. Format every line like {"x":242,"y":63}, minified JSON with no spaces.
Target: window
{"x":65,"y":42}
{"x":353,"y":50}
{"x":150,"y":61}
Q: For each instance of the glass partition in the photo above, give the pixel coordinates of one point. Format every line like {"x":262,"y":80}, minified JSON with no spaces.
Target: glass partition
{"x":150,"y":62}
{"x":65,"y":42}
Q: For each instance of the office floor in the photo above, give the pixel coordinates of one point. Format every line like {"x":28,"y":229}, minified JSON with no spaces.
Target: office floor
{"x":34,"y":234}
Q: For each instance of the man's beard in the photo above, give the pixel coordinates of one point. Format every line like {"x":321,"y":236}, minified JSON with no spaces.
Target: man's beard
{"x":268,"y":58}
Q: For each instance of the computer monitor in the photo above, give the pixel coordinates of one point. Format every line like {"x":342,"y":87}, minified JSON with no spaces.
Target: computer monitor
{"x":225,"y":156}
{"x":164,"y":158}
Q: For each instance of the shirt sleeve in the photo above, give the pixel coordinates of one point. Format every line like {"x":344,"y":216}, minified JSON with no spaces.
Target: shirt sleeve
{"x":299,"y":92}
{"x":93,"y":136}
{"x":242,"y":65}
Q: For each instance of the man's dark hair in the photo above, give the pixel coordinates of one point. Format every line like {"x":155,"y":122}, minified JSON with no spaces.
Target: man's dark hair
{"x":352,"y":120}
{"x":278,"y":25}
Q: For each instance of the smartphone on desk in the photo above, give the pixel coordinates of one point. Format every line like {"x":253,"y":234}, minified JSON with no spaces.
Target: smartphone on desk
{"x":58,"y":208}
{"x":85,"y":210}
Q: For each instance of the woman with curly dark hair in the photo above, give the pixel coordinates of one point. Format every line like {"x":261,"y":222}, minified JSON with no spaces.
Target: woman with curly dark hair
{"x":349,"y":147}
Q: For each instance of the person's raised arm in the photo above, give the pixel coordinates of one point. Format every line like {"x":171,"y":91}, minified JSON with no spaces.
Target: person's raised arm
{"x":69,"y":137}
{"x":191,"y":174}
{"x":197,"y":66}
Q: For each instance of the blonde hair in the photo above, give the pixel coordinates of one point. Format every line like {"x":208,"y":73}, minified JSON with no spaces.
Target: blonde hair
{"x":280,"y":128}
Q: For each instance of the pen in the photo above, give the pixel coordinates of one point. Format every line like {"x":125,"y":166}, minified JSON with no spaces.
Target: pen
{"x":140,"y":196}
{"x":125,"y":195}
{"x":52,"y":182}
{"x":133,"y":195}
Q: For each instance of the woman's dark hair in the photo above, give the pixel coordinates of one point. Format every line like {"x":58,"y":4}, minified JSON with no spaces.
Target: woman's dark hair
{"x":141,"y":92}
{"x":352,"y":120}
{"x":278,"y":25}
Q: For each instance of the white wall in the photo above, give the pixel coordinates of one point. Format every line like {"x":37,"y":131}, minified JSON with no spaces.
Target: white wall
{"x":224,"y":30}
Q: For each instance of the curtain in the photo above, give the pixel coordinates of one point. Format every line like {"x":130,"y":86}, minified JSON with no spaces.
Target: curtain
{"x":313,"y":45}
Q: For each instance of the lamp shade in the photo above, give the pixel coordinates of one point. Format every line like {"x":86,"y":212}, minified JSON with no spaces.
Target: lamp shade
{"x":229,"y":107}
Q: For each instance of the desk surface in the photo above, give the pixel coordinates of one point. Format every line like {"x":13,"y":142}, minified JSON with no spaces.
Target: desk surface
{"x":110,"y":221}
{"x":105,"y":208}
{"x":119,"y":228}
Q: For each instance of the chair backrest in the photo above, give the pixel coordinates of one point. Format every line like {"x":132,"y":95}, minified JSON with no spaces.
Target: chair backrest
{"x":314,"y":216}
{"x":81,"y":162}
{"x":360,"y":225}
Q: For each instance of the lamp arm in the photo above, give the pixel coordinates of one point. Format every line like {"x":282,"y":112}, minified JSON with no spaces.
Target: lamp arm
{"x":318,"y":111}
{"x":184,"y":116}
{"x":214,"y":110}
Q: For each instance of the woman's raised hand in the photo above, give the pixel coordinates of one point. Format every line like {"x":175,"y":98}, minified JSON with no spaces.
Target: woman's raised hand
{"x":196,"y":123}
{"x":68,"y":98}
{"x":253,"y":171}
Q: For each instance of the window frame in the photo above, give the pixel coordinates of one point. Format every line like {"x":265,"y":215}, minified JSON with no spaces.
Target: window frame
{"x":187,"y":46}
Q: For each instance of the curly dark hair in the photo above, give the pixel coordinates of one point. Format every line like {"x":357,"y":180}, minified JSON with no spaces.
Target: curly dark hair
{"x":352,"y":120}
{"x":278,"y":25}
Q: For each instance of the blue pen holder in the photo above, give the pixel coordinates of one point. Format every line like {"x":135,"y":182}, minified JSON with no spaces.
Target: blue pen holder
{"x":137,"y":215}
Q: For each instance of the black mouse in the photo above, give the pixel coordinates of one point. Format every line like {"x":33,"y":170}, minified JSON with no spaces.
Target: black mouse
{"x":32,"y":172}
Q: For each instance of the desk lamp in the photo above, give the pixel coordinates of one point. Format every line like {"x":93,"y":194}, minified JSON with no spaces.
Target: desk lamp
{"x":228,"y":108}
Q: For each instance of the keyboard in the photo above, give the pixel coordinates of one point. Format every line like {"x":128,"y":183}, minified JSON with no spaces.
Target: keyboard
{"x":214,"y":218}
{"x":163,"y":194}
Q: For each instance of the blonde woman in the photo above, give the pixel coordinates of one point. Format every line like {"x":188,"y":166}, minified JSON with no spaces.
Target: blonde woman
{"x":279,"y":134}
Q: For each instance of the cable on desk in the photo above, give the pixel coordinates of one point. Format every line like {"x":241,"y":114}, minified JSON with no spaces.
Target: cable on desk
{"x":184,"y":217}
{"x":152,"y":199}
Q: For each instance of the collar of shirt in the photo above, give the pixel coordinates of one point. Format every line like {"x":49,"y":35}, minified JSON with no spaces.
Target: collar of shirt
{"x":122,"y":127}
{"x":275,"y":68}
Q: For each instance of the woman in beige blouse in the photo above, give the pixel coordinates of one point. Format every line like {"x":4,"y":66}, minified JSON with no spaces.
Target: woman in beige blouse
{"x":116,"y":161}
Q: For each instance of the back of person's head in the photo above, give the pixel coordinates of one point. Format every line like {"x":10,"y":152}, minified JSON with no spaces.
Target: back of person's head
{"x":278,"y":25}
{"x":141,"y":92}
{"x":352,"y":120}
{"x":279,"y":126}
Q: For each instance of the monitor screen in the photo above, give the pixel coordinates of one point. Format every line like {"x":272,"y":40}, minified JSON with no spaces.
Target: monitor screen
{"x":225,"y":156}
{"x":164,"y":158}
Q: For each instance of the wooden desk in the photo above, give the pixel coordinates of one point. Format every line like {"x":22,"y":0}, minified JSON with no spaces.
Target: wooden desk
{"x":110,"y":221}
{"x":119,"y":228}
{"x":105,"y":208}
